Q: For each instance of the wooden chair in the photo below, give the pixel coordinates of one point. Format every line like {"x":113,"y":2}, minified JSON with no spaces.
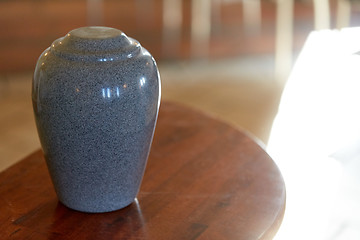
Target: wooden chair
{"x":201,"y":21}
{"x":284,"y":32}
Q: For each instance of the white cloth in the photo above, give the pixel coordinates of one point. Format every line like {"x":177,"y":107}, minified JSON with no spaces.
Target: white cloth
{"x":319,"y":115}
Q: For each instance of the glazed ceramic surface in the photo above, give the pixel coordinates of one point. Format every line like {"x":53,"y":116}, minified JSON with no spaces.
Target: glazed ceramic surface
{"x":96,"y":95}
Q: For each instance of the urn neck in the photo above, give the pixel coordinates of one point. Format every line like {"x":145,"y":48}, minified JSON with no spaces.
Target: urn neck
{"x":95,"y":44}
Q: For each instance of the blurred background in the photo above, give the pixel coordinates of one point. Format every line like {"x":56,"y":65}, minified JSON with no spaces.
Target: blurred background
{"x":228,"y":58}
{"x":215,"y":55}
{"x":220,"y":56}
{"x":164,"y":27}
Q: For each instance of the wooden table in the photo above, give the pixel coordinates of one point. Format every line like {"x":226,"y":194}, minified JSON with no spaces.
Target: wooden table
{"x":204,"y":180}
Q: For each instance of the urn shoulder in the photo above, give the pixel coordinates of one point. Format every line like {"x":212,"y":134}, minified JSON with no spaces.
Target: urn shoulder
{"x":100,"y":58}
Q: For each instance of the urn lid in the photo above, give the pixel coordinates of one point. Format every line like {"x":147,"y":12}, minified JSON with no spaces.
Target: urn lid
{"x":95,"y":43}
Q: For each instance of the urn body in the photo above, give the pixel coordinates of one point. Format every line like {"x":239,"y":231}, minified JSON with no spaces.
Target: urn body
{"x":96,"y":96}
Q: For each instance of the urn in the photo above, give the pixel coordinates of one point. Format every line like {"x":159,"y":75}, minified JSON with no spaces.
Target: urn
{"x":96,"y":95}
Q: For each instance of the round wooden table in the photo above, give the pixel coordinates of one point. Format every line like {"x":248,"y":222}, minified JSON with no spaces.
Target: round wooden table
{"x":204,"y":180}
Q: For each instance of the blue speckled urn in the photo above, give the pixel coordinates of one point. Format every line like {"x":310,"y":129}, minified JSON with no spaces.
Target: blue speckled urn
{"x":96,"y":96}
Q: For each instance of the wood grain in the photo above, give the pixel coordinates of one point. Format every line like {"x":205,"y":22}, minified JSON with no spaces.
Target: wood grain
{"x":204,"y":180}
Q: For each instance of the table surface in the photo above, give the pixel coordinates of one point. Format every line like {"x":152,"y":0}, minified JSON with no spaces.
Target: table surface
{"x":204,"y":180}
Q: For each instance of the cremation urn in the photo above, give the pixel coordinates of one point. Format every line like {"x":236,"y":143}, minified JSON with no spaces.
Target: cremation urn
{"x":96,"y":96}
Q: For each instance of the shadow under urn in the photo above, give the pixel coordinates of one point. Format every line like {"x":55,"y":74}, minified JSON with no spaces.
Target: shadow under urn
{"x":96,"y":96}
